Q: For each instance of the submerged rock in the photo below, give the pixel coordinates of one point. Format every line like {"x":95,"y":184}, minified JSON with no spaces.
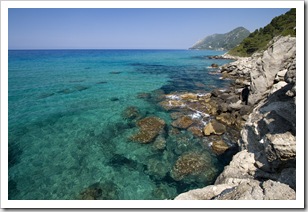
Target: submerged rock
{"x":183,"y":123}
{"x":157,"y":168}
{"x":91,"y":193}
{"x":131,"y":112}
{"x":191,"y":163}
{"x":76,"y":88}
{"x":81,"y":88}
{"x":160,"y":143}
{"x":164,"y":191}
{"x":101,"y":82}
{"x":196,"y":131}
{"x":115,"y":72}
{"x":176,"y":115}
{"x":173,"y":131}
{"x":144,"y":95}
{"x":45,"y":95}
{"x":149,"y":128}
{"x":106,"y":190}
{"x":100,"y":191}
{"x":65,"y":91}
{"x":199,"y":85}
{"x":114,"y":99}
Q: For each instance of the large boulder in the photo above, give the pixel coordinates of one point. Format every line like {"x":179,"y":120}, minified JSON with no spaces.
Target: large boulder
{"x":226,"y":118}
{"x":214,"y":127}
{"x":219,"y":147}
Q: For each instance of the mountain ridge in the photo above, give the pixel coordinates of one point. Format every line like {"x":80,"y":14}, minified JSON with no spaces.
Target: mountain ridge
{"x":224,"y":41}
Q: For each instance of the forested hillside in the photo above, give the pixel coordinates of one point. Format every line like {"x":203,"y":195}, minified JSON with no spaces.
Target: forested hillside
{"x":259,"y":39}
{"x":225,"y":41}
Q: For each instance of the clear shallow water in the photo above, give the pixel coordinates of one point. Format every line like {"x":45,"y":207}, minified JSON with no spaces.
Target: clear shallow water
{"x":67,"y":133}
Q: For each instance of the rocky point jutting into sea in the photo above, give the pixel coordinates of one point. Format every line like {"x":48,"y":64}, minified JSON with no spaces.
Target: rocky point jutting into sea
{"x":265,"y":166}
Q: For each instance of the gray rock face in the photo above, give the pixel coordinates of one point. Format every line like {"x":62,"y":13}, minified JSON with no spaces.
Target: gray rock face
{"x":254,"y":190}
{"x":275,"y":64}
{"x":264,"y":169}
{"x":277,"y":191}
{"x":246,"y":190}
{"x":290,"y":76}
{"x":249,"y":190}
{"x":274,"y":59}
{"x":241,"y":169}
{"x":206,"y":193}
{"x":270,"y":132}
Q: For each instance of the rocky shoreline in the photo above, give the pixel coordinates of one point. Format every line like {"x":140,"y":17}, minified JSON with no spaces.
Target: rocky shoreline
{"x":259,"y":138}
{"x":265,"y":166}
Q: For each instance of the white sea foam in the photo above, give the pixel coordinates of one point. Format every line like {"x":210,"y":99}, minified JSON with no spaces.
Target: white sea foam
{"x":173,"y":97}
{"x":196,"y":115}
{"x":204,"y":122}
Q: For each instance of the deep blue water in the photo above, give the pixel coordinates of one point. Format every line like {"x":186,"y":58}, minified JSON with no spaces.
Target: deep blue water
{"x":66,"y":127}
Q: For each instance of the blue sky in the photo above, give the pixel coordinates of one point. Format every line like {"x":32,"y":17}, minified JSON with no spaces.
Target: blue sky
{"x":127,"y":28}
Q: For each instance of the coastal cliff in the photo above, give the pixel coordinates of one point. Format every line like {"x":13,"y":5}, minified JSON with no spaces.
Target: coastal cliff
{"x":265,"y":166}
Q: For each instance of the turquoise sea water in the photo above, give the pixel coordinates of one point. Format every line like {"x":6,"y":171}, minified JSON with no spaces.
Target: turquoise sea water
{"x":67,"y":133}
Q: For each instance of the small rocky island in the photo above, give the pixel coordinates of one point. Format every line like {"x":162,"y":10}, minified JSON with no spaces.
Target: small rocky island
{"x":265,"y":166}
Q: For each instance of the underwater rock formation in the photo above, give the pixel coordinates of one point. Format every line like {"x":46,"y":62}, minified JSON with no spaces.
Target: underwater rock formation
{"x":106,"y":190}
{"x":192,"y":163}
{"x":149,"y":128}
{"x":131,"y":112}
{"x":183,"y":123}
